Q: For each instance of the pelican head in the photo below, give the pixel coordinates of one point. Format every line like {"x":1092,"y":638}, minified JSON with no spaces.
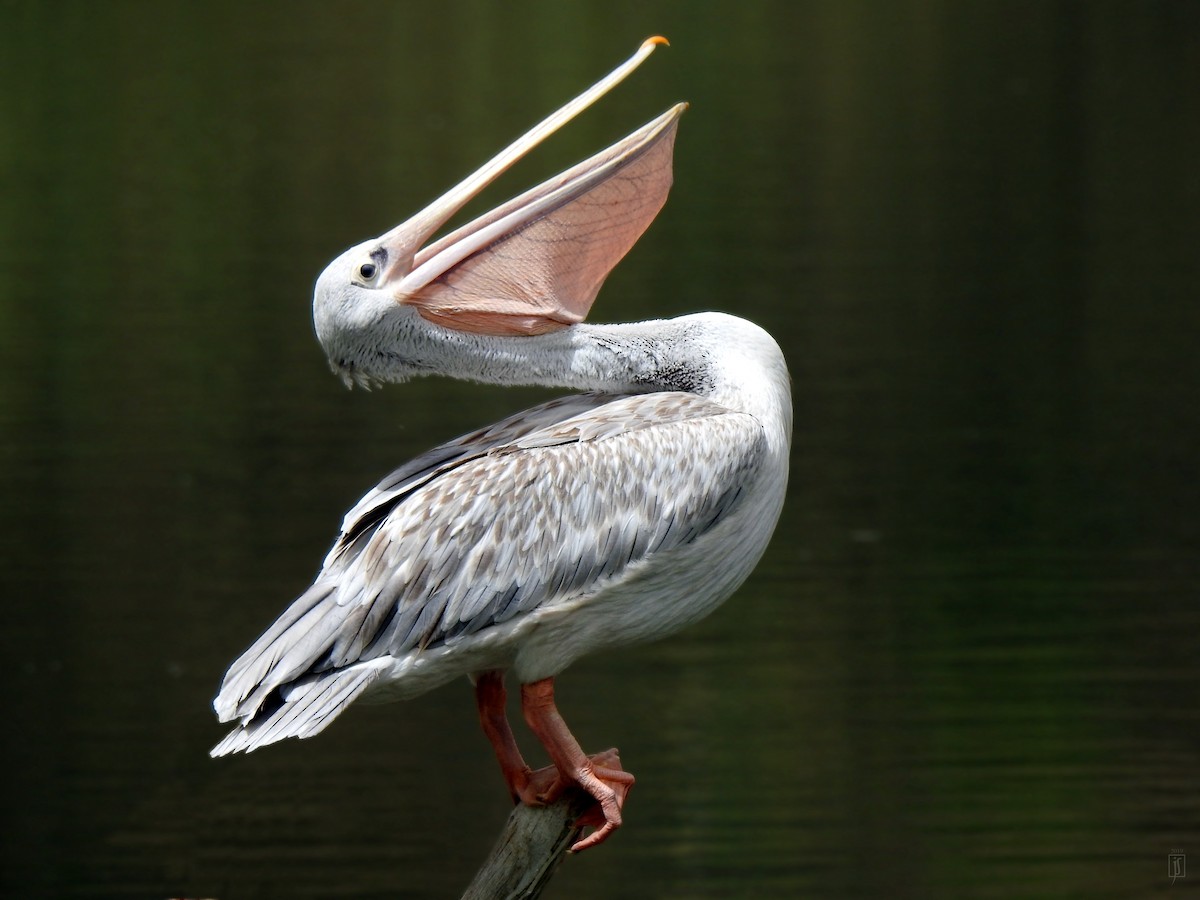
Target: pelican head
{"x":358,"y":320}
{"x":531,"y":266}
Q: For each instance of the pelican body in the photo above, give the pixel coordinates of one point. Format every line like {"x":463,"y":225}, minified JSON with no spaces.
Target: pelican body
{"x":613,"y":516}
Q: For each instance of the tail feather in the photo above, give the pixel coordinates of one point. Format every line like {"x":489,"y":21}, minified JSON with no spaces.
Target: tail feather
{"x":306,"y":708}
{"x":258,"y":671}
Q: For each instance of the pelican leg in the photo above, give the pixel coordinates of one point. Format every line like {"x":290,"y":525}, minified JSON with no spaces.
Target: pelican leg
{"x":600,"y":775}
{"x":525,"y":785}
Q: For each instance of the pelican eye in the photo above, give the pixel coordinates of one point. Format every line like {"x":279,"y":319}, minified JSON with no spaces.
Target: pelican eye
{"x":367,"y":271}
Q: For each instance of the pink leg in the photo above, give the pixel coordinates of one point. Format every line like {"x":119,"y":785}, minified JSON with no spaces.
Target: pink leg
{"x":601,"y":775}
{"x":525,"y":785}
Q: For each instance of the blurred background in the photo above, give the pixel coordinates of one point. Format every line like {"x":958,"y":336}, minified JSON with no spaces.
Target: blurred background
{"x":967,"y":666}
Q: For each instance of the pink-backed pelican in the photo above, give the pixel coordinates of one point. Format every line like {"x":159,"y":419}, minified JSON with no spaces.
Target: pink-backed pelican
{"x":616,"y":515}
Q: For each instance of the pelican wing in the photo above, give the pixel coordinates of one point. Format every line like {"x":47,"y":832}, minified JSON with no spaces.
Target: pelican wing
{"x":538,"y":511}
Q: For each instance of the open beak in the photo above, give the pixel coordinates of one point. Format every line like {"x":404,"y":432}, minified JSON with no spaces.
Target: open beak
{"x":405,"y":240}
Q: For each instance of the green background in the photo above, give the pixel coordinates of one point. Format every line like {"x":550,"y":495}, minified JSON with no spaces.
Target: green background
{"x":967,"y":666}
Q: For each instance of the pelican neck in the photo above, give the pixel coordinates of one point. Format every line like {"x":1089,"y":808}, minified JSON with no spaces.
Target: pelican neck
{"x":713,"y":355}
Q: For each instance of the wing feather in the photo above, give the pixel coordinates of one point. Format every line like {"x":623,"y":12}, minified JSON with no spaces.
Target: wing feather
{"x":561,"y":502}
{"x":305,"y":709}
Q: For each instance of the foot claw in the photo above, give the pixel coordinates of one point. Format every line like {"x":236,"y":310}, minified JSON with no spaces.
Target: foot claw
{"x":609,"y":784}
{"x":540,"y":787}
{"x":599,"y":836}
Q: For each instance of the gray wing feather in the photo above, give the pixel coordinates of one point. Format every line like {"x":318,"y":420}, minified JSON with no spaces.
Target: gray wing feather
{"x":539,"y":509}
{"x":429,"y":465}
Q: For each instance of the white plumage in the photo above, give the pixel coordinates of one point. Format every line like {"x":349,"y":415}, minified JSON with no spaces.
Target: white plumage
{"x":451,"y":563}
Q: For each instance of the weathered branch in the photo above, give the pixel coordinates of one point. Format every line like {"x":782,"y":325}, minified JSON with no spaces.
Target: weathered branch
{"x":529,"y":849}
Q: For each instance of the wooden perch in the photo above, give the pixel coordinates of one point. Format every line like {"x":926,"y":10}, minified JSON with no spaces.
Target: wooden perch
{"x":529,"y":849}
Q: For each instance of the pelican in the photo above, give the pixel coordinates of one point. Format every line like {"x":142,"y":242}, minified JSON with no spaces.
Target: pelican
{"x":616,"y":515}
